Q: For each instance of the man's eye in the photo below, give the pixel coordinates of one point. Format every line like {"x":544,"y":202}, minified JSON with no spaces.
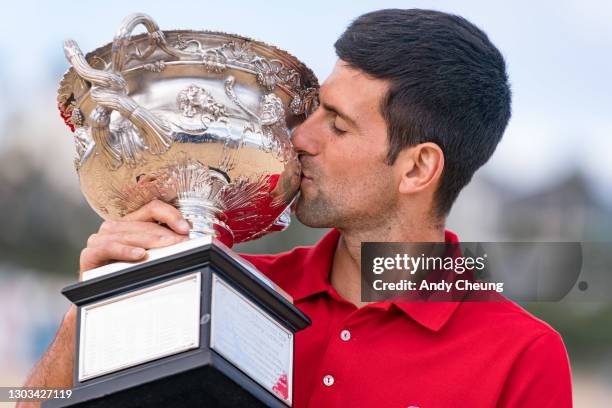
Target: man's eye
{"x":334,"y":129}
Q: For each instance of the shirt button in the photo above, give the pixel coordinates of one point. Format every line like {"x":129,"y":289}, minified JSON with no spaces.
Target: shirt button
{"x":328,"y":380}
{"x":345,"y":335}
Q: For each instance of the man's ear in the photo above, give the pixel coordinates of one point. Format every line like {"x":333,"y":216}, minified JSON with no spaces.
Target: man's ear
{"x":421,"y":167}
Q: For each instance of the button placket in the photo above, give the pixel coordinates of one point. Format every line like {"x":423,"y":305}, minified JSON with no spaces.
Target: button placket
{"x":337,"y":371}
{"x":337,"y":365}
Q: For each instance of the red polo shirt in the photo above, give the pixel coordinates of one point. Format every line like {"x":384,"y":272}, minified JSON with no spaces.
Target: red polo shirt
{"x":414,"y":354}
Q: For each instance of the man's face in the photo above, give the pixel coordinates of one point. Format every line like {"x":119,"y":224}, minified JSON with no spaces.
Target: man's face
{"x":342,"y":148}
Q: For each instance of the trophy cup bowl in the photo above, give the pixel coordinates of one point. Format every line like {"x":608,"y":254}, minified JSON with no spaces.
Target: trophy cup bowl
{"x":193,"y":118}
{"x":200,"y":120}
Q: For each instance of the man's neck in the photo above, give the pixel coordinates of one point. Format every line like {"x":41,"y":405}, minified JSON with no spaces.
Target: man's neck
{"x":345,"y":275}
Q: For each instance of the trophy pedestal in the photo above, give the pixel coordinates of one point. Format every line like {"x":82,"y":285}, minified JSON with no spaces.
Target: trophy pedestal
{"x":193,"y":325}
{"x":200,"y":378}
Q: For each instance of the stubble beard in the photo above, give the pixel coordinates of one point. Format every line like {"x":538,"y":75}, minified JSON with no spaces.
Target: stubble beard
{"x":318,"y":211}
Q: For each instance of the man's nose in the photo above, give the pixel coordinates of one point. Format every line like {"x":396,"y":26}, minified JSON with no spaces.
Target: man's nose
{"x":304,"y":137}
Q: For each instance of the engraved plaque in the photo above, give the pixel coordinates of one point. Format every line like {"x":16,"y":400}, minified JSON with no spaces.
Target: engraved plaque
{"x":140,"y":326}
{"x":252,"y":340}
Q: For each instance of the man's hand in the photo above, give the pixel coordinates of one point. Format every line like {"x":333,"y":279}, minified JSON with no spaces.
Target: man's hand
{"x":155,"y":225}
{"x":127,"y":239}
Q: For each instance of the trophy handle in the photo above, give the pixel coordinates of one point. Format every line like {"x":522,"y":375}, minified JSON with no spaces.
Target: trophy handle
{"x":123,"y":38}
{"x":109,"y":91}
{"x":120,"y":54}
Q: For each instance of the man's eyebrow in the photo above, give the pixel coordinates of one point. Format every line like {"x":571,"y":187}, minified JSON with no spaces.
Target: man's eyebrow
{"x":338,"y":112}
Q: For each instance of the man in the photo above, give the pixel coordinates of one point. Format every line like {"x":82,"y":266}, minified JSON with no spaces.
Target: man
{"x":416,"y":103}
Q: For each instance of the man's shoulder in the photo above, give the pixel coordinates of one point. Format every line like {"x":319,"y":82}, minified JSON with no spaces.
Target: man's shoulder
{"x":504,"y":318}
{"x":530,"y":352}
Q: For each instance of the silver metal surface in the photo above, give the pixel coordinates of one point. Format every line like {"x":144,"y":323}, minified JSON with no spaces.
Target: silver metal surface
{"x":194,"y":118}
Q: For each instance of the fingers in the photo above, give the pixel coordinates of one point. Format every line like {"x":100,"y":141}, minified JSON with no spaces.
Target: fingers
{"x":129,"y":238}
{"x":125,"y":241}
{"x":93,"y":257}
{"x":113,"y":227}
{"x":161,"y":212}
{"x":135,"y":239}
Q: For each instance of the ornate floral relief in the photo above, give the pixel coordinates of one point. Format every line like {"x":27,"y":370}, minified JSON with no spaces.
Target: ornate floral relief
{"x":157,"y":66}
{"x":182,"y":44}
{"x":231,"y":94}
{"x":238,"y":54}
{"x":270,"y":118}
{"x":305,"y":101}
{"x":77,"y":118}
{"x":82,"y":143}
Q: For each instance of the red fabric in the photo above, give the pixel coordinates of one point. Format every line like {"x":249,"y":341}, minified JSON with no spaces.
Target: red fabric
{"x":420,"y":354}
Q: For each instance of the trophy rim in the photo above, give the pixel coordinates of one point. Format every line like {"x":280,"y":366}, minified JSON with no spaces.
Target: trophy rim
{"x":69,"y":78}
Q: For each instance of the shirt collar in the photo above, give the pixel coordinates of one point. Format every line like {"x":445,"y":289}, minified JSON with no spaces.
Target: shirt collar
{"x":315,"y":279}
{"x":317,"y":266}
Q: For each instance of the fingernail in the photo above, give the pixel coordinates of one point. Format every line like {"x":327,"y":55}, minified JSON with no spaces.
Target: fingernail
{"x":166,"y":238}
{"x":183,"y":226}
{"x":138,"y":252}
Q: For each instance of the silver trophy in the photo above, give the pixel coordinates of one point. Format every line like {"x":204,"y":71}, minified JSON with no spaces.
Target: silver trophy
{"x":197,"y":119}
{"x":200,"y":120}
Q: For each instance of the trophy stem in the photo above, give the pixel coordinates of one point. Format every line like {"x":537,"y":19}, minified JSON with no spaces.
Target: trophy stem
{"x":203,"y":216}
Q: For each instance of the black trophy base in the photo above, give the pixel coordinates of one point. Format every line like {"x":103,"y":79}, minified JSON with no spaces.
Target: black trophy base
{"x":174,"y":384}
{"x":193,"y":378}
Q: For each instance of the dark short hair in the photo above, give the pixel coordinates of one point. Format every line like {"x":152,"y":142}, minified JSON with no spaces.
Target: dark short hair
{"x":448,"y":85}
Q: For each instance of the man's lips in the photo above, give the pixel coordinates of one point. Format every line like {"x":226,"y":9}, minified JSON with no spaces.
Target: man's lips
{"x":305,"y":173}
{"x":305,"y":177}
{"x":305,"y":181}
